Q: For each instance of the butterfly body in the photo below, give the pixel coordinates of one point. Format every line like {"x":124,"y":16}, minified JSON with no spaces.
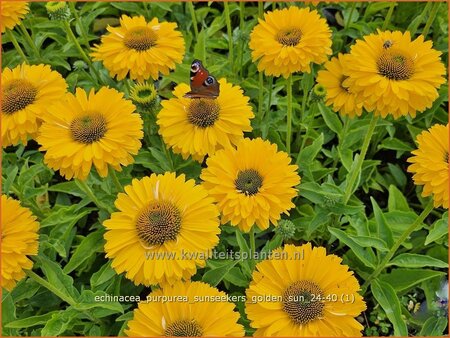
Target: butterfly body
{"x":203,"y":85}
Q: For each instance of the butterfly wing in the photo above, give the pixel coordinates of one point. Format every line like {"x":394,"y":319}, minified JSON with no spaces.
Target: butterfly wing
{"x":203,"y":85}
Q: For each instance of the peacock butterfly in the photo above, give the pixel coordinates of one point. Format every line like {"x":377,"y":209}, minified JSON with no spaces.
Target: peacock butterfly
{"x":203,"y":85}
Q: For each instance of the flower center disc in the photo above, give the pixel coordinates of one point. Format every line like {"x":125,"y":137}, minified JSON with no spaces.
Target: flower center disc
{"x":248,"y":182}
{"x":289,"y":37}
{"x":140,"y":39}
{"x":17,"y":94}
{"x":184,"y":328}
{"x":158,"y":223}
{"x":89,"y":128}
{"x":395,"y":66}
{"x":302,"y":301}
{"x":203,"y":113}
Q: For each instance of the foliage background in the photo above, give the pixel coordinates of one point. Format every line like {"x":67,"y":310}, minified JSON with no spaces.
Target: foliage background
{"x":71,"y":253}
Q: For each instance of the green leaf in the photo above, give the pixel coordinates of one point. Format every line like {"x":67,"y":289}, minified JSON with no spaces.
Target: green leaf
{"x":200,"y":46}
{"x":59,"y":323}
{"x":396,"y":200}
{"x":440,"y":228}
{"x":244,"y":248}
{"x":90,"y":300}
{"x":434,"y":326}
{"x":66,"y":215}
{"x":395,"y":144}
{"x":383,"y":228}
{"x":91,"y":243}
{"x":8,"y":313}
{"x":31,"y":321}
{"x":57,"y":278}
{"x":309,"y":153}
{"x":11,"y":175}
{"x":70,"y":188}
{"x":331,"y":118}
{"x":407,"y":260}
{"x":387,"y":298}
{"x":367,"y":241}
{"x":105,"y":274}
{"x":236,"y":277}
{"x":404,"y":279}
{"x":357,"y":249}
{"x":215,"y":276}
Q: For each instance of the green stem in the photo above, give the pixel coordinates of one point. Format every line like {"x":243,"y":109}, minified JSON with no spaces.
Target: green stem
{"x":16,"y":45}
{"x":260,"y":9}
{"x":230,"y":34}
{"x":74,"y":40}
{"x":30,"y":41}
{"x":252,"y":243}
{"x":364,"y":148}
{"x":269,"y":98}
{"x":88,"y":191}
{"x":302,"y":116}
{"x":289,"y":114}
{"x":116,"y":181}
{"x":261,"y":96}
{"x":351,"y":14}
{"x":80,"y":24}
{"x":431,"y":18}
{"x":193,"y":17}
{"x":387,"y":20}
{"x":166,"y":152}
{"x":80,"y":50}
{"x":38,"y":279}
{"x":241,"y":35}
{"x":419,"y":220}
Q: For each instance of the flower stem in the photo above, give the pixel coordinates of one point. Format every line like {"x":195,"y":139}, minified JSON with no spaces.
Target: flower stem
{"x":387,"y":20}
{"x":194,"y":18}
{"x":289,"y":114}
{"x":431,"y":18}
{"x":241,"y":35}
{"x":261,"y":96}
{"x":419,"y":220}
{"x":78,"y":20}
{"x":115,"y":180}
{"x":80,"y":50}
{"x":230,"y":34}
{"x":302,"y":116}
{"x":30,"y":41}
{"x":252,"y":246}
{"x":364,"y":148}
{"x":16,"y":45}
